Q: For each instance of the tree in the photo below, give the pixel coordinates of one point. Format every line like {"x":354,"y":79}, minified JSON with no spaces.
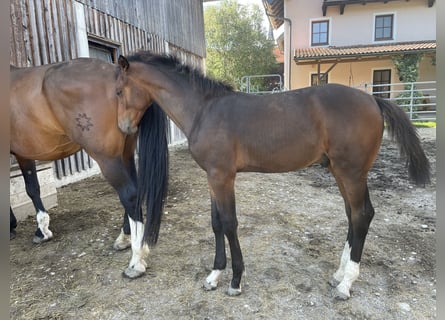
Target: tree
{"x":237,"y":44}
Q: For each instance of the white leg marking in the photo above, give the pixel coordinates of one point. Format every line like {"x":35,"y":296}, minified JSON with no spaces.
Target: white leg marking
{"x":43,"y":224}
{"x":122,"y":242}
{"x":139,"y":249}
{"x":212,"y":279}
{"x":352,"y":271}
{"x":345,"y":257}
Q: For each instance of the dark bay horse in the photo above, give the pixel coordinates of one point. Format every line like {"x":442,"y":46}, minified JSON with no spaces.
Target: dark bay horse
{"x":230,"y":132}
{"x":57,"y":109}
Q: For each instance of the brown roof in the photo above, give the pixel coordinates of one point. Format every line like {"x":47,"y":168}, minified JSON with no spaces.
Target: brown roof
{"x":362,"y":51}
{"x":279,"y":55}
{"x":275,"y":11}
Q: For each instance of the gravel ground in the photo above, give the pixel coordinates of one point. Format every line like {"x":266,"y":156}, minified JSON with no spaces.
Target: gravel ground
{"x":292,"y":229}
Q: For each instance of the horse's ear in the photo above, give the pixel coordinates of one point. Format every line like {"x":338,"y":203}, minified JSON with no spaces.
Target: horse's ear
{"x":123,"y":62}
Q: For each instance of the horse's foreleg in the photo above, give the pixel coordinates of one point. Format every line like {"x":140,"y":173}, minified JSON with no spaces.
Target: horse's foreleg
{"x":220,"y":251}
{"x":139,"y":249}
{"x":118,"y":175}
{"x":123,"y":241}
{"x":28,"y":168}
{"x":222,"y":191}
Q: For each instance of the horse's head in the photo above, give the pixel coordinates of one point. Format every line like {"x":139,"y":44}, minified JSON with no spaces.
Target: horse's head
{"x":133,"y":100}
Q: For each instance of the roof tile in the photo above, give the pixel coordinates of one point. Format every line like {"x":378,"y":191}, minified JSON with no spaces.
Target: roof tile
{"x":363,"y":50}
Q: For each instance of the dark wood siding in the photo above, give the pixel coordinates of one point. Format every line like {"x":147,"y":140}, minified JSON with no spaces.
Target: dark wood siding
{"x":41,"y":32}
{"x":44,"y":31}
{"x":180,"y":22}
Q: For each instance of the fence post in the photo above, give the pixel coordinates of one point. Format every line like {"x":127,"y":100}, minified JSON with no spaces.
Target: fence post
{"x":411,"y":101}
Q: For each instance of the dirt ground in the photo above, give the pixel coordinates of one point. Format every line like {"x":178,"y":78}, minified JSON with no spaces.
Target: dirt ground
{"x":292,"y":229}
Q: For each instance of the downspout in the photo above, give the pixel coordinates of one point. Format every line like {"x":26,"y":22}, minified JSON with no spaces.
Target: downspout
{"x":290,"y":42}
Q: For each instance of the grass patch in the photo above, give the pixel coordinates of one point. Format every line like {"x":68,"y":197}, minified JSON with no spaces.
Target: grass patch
{"x":424,"y":124}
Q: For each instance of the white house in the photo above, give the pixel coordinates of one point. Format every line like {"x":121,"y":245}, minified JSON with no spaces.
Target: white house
{"x":353,"y":42}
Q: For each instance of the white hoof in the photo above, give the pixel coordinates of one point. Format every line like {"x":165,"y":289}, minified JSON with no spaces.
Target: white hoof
{"x":43,"y":224}
{"x":135,"y":271}
{"x":341,"y":293}
{"x":38,"y":240}
{"x":234,"y":292}
{"x":132,"y":273}
{"x":212,"y":280}
{"x":208,"y":286}
{"x":122,"y":242}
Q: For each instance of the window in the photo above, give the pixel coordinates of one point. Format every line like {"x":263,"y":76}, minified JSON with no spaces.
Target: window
{"x":379,"y":79}
{"x":320,"y":33}
{"x":315,"y":80}
{"x":384,"y":27}
{"x":103,"y":50}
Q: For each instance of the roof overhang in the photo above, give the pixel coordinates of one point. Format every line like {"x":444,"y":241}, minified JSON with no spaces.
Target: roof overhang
{"x":276,"y":7}
{"x":316,"y":55}
{"x":275,"y":12}
{"x":342,"y":4}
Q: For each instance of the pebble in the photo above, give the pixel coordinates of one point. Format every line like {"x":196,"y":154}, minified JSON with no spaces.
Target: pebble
{"x":404,"y":306}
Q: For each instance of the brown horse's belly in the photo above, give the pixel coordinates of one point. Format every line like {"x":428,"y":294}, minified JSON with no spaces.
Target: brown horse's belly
{"x":49,"y":147}
{"x":285,"y":160}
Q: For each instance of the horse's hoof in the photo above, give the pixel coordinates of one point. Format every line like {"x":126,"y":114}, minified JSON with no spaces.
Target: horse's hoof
{"x":38,"y":240}
{"x":132,"y":273}
{"x":12,"y":234}
{"x":208,"y":286}
{"x":122,"y":242}
{"x":234,"y":292}
{"x":333,"y":282}
{"x":120,"y":246}
{"x":341,"y":296}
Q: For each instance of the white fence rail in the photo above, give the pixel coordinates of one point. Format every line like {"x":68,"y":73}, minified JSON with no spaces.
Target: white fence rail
{"x":418,"y":99}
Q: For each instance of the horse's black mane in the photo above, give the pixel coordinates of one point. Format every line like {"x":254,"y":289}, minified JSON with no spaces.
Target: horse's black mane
{"x":197,"y":79}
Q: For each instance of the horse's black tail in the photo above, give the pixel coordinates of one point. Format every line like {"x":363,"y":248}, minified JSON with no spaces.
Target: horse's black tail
{"x":152,"y":169}
{"x":405,"y":134}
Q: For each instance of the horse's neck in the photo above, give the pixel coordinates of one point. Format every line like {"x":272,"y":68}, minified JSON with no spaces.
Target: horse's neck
{"x":181,"y":103}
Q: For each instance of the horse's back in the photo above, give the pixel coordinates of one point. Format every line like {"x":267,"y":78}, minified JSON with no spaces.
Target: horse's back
{"x":293,"y":129}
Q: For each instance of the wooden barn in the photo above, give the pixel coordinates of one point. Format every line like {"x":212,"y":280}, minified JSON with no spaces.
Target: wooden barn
{"x":48,"y":31}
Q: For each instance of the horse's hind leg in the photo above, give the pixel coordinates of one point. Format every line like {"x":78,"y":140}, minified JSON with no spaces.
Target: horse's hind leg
{"x":360,"y":213}
{"x":28,"y":168}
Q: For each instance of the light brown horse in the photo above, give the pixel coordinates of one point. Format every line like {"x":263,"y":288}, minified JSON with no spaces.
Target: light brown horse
{"x":230,"y":132}
{"x":57,"y":109}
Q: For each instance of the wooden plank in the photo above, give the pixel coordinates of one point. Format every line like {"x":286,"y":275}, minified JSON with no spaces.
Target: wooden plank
{"x":42,"y":44}
{"x":49,"y":31}
{"x":56,"y":33}
{"x":71,"y":31}
{"x":62,"y":26}
{"x":34,"y":56}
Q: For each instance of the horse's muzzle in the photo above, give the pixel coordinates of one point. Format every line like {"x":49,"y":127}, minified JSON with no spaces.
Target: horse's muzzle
{"x":126,"y":126}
